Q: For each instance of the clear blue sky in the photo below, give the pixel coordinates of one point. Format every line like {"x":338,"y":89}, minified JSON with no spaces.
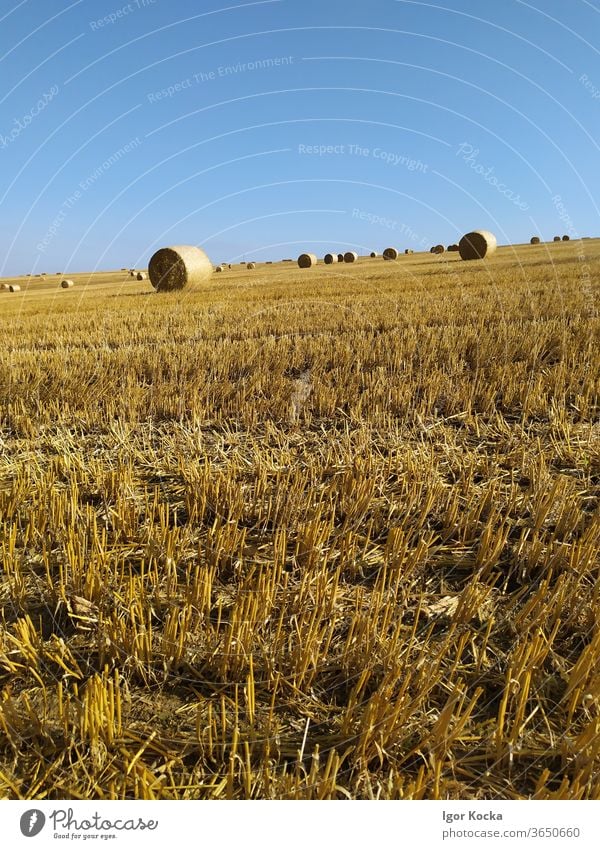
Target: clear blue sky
{"x":264,"y":129}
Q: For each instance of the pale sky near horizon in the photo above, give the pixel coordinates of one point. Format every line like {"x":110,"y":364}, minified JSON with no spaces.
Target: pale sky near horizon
{"x":263,"y":129}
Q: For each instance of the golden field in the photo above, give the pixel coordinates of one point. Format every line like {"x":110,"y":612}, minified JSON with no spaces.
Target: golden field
{"x":317,"y":534}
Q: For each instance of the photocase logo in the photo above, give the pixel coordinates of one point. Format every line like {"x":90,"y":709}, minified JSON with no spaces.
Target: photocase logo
{"x":32,"y":822}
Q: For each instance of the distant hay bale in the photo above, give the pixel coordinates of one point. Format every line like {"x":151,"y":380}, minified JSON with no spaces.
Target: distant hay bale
{"x":477,"y":244}
{"x":140,"y":276}
{"x":390,"y":253}
{"x":307,"y":260}
{"x":123,"y":269}
{"x":250,"y":266}
{"x":287,"y":260}
{"x":219,"y":268}
{"x":4,"y":287}
{"x":374,"y":254}
{"x":340,"y":257}
{"x":179,"y":267}
{"x":566,"y":238}
{"x":535,"y":240}
{"x":432,"y":250}
{"x":329,"y":259}
{"x":557,"y":238}
{"x":438,"y":249}
{"x":350,"y":256}
{"x":269,"y":262}
{"x":132,"y":273}
{"x":452,"y":248}
{"x":407,"y":251}
{"x":66,"y":284}
{"x":14,"y":287}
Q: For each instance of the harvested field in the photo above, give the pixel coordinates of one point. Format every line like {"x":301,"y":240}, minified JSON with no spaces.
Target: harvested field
{"x":304,"y":536}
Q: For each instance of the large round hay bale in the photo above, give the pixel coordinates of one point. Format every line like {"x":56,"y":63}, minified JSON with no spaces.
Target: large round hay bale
{"x":566,"y":238}
{"x":66,"y":284}
{"x":350,"y":256}
{"x":219,"y":268}
{"x":179,"y":267}
{"x":373,"y":254}
{"x":477,"y":244}
{"x":14,"y":287}
{"x":141,"y":275}
{"x":535,"y":240}
{"x":438,"y":249}
{"x":340,"y":257}
{"x":250,"y":266}
{"x":452,"y":248}
{"x":407,"y":251}
{"x":307,"y":260}
{"x":132,"y":272}
{"x":390,"y":253}
{"x":329,"y":259}
{"x":4,"y":287}
{"x":557,"y":238}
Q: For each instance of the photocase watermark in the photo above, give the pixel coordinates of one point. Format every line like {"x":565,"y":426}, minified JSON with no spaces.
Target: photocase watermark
{"x":389,"y":157}
{"x":121,"y":13}
{"x":222,"y":71}
{"x":84,"y":186}
{"x":32,"y":822}
{"x":26,"y":120}
{"x":469,"y":155}
{"x":398,"y":227}
{"x":565,"y":218}
{"x":593,"y":89}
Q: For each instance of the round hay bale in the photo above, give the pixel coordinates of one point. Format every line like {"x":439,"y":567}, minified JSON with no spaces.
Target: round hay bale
{"x":557,"y":238}
{"x":390,"y":253}
{"x":14,"y":287}
{"x":350,"y":256}
{"x":477,"y":244}
{"x":566,"y":238}
{"x":4,"y":287}
{"x":219,"y":268}
{"x":374,"y":254}
{"x":340,"y":257}
{"x":132,"y":273}
{"x":407,"y":251}
{"x":66,"y":284}
{"x":535,"y":240}
{"x":438,"y":249}
{"x":250,"y":266}
{"x":452,"y":248}
{"x":307,"y":260}
{"x":329,"y":259}
{"x":141,"y":276}
{"x":178,"y":267}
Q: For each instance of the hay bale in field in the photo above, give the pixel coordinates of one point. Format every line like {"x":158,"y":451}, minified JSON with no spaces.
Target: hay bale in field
{"x":14,"y":287}
{"x":287,"y":260}
{"x":178,"y":267}
{"x":557,"y":238}
{"x":373,"y":254}
{"x":340,"y":257}
{"x":4,"y":287}
{"x":219,"y":268}
{"x":66,"y":284}
{"x":307,"y":260}
{"x":566,"y":238}
{"x":329,"y":259}
{"x":132,"y":273}
{"x":438,"y":249}
{"x":407,"y":251}
{"x":141,"y":276}
{"x":350,"y":256}
{"x":250,"y":266}
{"x":431,"y":250}
{"x":477,"y":244}
{"x":452,"y":248}
{"x":390,"y":253}
{"x":535,"y":240}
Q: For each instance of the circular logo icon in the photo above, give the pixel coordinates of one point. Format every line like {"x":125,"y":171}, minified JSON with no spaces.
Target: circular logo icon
{"x":32,"y":822}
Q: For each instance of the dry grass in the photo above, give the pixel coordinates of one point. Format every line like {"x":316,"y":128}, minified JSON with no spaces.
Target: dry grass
{"x":304,"y":536}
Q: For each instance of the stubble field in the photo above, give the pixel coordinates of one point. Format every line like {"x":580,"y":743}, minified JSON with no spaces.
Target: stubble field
{"x":331,"y":533}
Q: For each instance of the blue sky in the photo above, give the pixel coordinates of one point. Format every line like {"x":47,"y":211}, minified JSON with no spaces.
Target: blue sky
{"x":263,"y":129}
